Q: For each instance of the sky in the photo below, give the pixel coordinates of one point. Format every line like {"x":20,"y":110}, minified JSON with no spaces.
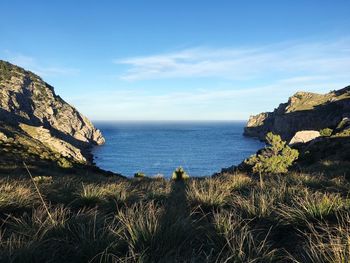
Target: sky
{"x":179,"y":60}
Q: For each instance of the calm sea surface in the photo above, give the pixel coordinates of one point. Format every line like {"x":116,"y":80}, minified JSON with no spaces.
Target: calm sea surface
{"x":201,"y":148}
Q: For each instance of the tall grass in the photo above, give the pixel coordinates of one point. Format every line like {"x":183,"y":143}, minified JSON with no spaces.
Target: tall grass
{"x":326,"y":243}
{"x":94,"y":194}
{"x":311,"y":207}
{"x":139,"y":225}
{"x":16,"y":195}
{"x":215,"y":192}
{"x":207,"y":192}
{"x":239,"y":243}
{"x":296,"y":217}
{"x":259,"y":204}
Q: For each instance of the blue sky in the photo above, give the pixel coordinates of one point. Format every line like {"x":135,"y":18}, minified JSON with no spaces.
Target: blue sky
{"x":179,"y":60}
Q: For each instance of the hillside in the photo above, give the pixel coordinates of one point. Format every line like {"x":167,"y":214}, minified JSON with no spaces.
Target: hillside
{"x":303,"y":111}
{"x":37,"y":123}
{"x":58,"y":208}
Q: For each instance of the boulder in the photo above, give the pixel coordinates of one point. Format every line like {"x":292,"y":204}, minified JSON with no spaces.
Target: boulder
{"x":304,"y":136}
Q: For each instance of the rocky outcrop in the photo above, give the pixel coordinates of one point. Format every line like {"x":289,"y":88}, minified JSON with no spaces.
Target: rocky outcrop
{"x":27,"y":101}
{"x":303,"y":111}
{"x":304,"y":136}
{"x":54,"y":144}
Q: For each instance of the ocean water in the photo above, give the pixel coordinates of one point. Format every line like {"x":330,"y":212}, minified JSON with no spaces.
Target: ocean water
{"x":201,"y":148}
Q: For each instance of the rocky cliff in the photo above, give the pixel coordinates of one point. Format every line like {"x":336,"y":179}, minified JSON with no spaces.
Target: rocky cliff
{"x":303,"y":111}
{"x":30,"y":109}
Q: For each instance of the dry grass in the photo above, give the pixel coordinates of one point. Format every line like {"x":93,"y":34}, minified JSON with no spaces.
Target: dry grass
{"x":215,"y":192}
{"x":297,"y":217}
{"x":15,"y":195}
{"x":328,"y":243}
{"x":310,"y":207}
{"x":239,"y":243}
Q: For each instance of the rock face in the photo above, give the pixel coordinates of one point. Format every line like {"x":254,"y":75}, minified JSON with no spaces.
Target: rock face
{"x":25,"y":99}
{"x":303,"y":111}
{"x":304,"y":136}
{"x":53,"y":143}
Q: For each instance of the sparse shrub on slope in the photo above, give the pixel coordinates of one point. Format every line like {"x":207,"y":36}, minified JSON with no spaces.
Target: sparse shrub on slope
{"x":274,"y":159}
{"x":326,"y":132}
{"x":139,"y":175}
{"x":179,"y":174}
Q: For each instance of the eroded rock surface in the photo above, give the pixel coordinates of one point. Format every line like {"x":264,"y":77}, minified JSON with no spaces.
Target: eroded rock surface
{"x":303,"y":111}
{"x":304,"y":136}
{"x":27,"y":101}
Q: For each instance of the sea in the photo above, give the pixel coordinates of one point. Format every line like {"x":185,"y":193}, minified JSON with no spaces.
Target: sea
{"x":159,"y":147}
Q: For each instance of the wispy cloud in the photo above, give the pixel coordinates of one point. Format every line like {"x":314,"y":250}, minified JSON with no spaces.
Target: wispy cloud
{"x":195,"y":104}
{"x":42,"y":69}
{"x":242,"y":63}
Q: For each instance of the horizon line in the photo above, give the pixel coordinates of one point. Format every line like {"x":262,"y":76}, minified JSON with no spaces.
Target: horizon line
{"x":194,"y":120}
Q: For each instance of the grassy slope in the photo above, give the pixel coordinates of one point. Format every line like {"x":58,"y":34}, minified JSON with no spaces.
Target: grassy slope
{"x":327,"y":155}
{"x":308,"y":101}
{"x":228,"y":219}
{"x":19,"y":146}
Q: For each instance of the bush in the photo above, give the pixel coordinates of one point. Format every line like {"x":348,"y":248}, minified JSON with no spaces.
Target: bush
{"x":179,"y":174}
{"x":139,"y":175}
{"x":274,"y":159}
{"x":326,"y":132}
{"x":64,"y":163}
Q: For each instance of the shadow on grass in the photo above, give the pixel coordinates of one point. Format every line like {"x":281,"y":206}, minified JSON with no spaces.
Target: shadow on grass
{"x":177,"y":237}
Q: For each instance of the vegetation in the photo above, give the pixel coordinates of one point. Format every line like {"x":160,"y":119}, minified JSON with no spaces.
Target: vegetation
{"x":5,"y":70}
{"x":326,"y":132}
{"x":274,"y":159}
{"x":139,"y":175}
{"x":344,"y":133}
{"x":295,"y":218}
{"x":179,"y":174}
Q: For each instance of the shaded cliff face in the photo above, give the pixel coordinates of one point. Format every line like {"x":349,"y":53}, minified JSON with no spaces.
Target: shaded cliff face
{"x":31,"y":105}
{"x":303,"y":111}
{"x":25,"y":97}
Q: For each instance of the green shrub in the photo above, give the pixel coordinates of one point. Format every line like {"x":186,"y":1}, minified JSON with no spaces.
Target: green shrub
{"x":274,"y":159}
{"x":5,"y":70}
{"x":64,"y":163}
{"x":179,"y":174}
{"x":139,"y":175}
{"x":326,"y":132}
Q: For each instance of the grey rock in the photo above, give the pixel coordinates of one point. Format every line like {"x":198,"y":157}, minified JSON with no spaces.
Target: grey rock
{"x":304,"y":136}
{"x":303,"y":111}
{"x":26,"y":99}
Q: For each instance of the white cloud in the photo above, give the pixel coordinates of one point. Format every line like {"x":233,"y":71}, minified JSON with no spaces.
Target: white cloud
{"x":242,"y":63}
{"x":196,"y":104}
{"x":32,"y":64}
